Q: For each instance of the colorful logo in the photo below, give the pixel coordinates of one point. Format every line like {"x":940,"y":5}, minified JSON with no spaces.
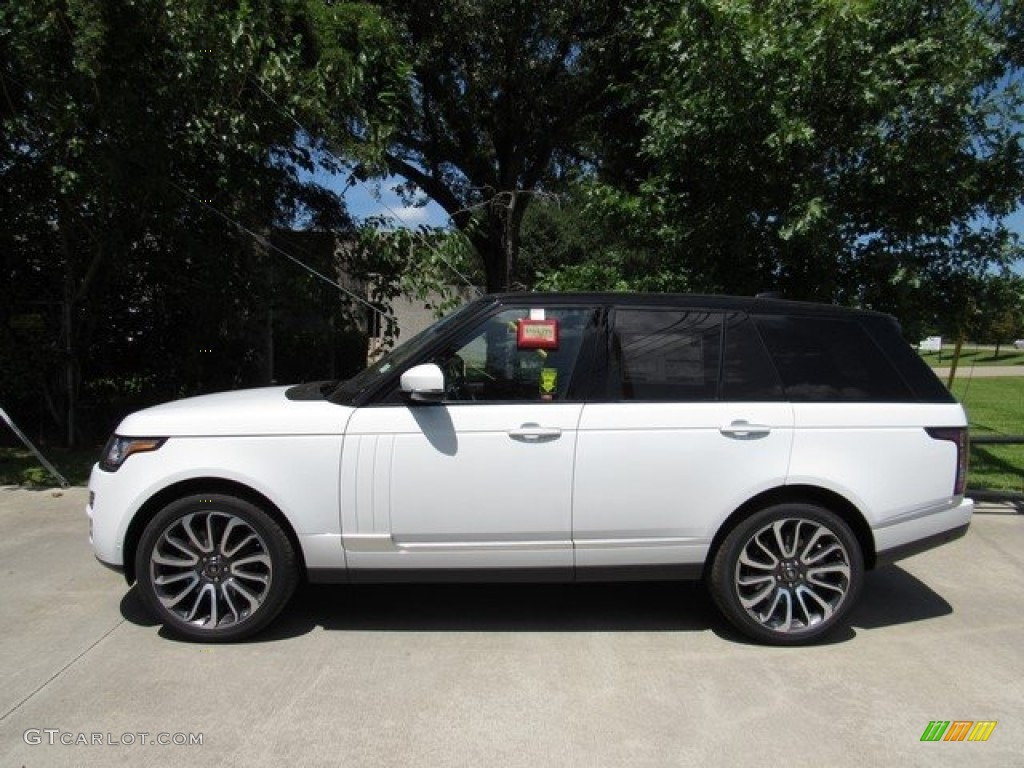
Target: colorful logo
{"x":958,"y":730}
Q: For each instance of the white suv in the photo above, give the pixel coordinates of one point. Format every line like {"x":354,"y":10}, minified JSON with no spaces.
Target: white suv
{"x":775,"y":449}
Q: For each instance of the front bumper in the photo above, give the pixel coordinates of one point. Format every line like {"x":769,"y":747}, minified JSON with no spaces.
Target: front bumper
{"x":106,"y":527}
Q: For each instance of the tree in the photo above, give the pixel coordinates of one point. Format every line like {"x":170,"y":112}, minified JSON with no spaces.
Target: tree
{"x":501,"y":97}
{"x":824,"y":150}
{"x":135,"y":137}
{"x":579,"y":242}
{"x":416,"y":263}
{"x":1001,"y":309}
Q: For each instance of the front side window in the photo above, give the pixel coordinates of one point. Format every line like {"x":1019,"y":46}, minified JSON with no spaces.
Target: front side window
{"x":518,"y":354}
{"x":666,"y":354}
{"x":397,"y":358}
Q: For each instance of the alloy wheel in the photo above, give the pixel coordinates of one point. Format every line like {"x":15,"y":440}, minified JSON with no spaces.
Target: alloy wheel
{"x":211,"y":569}
{"x":792,"y":575}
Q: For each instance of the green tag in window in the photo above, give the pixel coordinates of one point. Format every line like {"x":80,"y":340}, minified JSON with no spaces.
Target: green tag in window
{"x":548,"y":381}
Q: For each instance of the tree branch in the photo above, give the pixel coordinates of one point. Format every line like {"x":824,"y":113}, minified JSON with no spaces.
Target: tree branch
{"x":437,"y":190}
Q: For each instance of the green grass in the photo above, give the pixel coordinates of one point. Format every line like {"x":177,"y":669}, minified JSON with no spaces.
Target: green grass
{"x":975,"y":356}
{"x":997,"y":468}
{"x":994,"y":407}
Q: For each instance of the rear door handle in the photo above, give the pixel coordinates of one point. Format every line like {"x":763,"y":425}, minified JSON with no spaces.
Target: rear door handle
{"x":744,"y":430}
{"x":535,"y":433}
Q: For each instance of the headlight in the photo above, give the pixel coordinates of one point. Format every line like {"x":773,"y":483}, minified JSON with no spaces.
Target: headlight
{"x":120,"y":448}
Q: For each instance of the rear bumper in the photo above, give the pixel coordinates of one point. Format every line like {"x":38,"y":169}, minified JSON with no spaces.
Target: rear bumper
{"x":909,"y":537}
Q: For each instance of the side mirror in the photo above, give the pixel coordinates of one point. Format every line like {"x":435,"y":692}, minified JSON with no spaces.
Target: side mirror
{"x":424,"y":383}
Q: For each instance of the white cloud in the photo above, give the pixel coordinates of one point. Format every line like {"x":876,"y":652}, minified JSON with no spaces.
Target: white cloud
{"x":412,"y":216}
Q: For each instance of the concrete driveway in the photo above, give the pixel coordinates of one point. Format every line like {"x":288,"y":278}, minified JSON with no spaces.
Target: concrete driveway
{"x":595,"y":675}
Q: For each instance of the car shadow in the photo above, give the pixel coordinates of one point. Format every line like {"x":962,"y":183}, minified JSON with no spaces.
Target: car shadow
{"x":134,"y":611}
{"x":891,"y":596}
{"x":609,"y":607}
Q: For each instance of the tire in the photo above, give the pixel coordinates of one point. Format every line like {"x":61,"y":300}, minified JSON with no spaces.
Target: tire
{"x":215,"y":568}
{"x":788,"y":574}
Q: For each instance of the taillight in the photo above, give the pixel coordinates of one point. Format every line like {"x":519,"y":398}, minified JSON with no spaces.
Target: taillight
{"x":956,"y":435}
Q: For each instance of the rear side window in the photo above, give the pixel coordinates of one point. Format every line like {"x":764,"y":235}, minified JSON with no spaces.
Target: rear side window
{"x":830,"y":360}
{"x":666,"y":354}
{"x":748,"y":373}
{"x":926,"y":386}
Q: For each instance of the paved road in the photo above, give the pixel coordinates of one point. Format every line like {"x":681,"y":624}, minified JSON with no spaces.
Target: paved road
{"x":590,"y":676}
{"x":981,"y":371}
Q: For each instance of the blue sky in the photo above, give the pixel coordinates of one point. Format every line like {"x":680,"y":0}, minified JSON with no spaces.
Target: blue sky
{"x":366,"y":199}
{"x":377,"y":198}
{"x":1016,"y":222}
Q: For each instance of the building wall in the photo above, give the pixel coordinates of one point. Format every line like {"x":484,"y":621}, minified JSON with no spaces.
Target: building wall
{"x":413,"y":315}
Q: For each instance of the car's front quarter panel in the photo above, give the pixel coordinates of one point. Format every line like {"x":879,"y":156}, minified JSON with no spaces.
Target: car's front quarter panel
{"x":298,"y":474}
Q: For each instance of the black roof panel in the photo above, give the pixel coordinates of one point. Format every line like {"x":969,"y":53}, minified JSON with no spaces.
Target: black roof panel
{"x":768,"y":306}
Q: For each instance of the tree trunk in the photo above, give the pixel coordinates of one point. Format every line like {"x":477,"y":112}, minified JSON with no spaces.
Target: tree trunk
{"x":69,"y":364}
{"x":961,"y":334}
{"x":497,"y":242}
{"x":74,"y":332}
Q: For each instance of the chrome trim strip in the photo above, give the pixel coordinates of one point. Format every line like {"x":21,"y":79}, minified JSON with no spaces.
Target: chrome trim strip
{"x":666,"y":541}
{"x":368,"y":542}
{"x":934,"y":509}
{"x":470,"y":546}
{"x":385,"y":542}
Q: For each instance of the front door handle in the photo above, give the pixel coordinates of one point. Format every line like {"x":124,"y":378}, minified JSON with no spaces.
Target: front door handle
{"x":535,"y":433}
{"x":744,"y":430}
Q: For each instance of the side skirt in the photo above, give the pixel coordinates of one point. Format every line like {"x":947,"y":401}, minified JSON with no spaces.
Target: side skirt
{"x":680,"y":572}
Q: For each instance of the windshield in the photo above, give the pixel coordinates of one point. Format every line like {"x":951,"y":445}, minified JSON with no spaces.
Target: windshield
{"x":399,"y":356}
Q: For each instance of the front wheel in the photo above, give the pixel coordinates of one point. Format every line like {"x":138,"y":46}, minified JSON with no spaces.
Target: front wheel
{"x":787,"y":574}
{"x":215,"y":568}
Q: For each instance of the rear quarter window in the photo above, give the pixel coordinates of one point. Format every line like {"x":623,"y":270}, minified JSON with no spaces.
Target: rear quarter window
{"x":822,"y":359}
{"x":926,"y":386}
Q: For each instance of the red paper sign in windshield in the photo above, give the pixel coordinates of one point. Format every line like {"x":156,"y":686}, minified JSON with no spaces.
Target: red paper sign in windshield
{"x":537,"y":334}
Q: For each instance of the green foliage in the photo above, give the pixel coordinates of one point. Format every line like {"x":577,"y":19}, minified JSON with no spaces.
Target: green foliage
{"x":500,"y":100}
{"x":568,"y":245}
{"x":861,"y":152}
{"x":18,"y":466}
{"x":857,"y":152}
{"x":135,"y":137}
{"x":36,"y":476}
{"x":1001,"y":309}
{"x":434,"y":266}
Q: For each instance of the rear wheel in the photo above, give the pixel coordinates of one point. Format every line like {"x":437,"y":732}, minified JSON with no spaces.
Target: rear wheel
{"x":215,"y":568}
{"x":788,"y":574}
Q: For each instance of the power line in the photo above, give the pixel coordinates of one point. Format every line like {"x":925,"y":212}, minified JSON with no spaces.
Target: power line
{"x":271,"y":246}
{"x":291,"y":117}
